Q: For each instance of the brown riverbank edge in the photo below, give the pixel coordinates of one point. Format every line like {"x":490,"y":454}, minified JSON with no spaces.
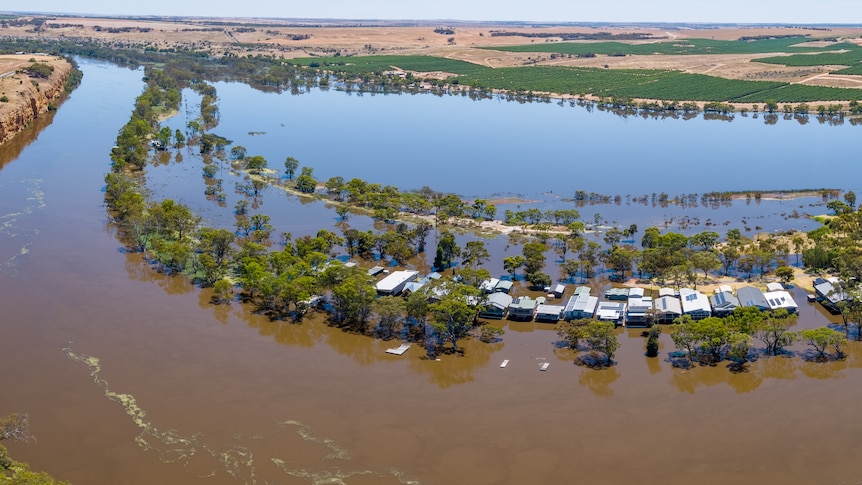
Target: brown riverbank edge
{"x":27,"y":97}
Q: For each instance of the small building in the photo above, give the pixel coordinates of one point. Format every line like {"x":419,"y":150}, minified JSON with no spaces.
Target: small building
{"x":490,"y":285}
{"x":668,"y":292}
{"x":581,"y":305}
{"x":694,"y":304}
{"x":549,"y":313}
{"x":522,"y":308}
{"x":751,"y":296}
{"x":724,"y":289}
{"x":504,"y":286}
{"x":619,"y":294}
{"x":667,"y":309}
{"x":496,"y":306}
{"x":774,"y":286}
{"x":723,"y":303}
{"x":781,"y":299}
{"x":376,"y":270}
{"x":611,"y":311}
{"x":828,"y":295}
{"x":394,"y":283}
{"x":639,"y":308}
{"x":559,"y":290}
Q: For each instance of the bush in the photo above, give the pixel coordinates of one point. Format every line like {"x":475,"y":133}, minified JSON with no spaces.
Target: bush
{"x":4,"y":99}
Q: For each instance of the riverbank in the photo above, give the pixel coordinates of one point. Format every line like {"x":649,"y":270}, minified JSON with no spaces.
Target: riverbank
{"x":26,"y":94}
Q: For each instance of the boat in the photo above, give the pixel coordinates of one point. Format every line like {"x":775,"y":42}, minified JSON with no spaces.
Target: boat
{"x":811,"y":297}
{"x":504,"y":363}
{"x":398,"y":350}
{"x":544,"y":366}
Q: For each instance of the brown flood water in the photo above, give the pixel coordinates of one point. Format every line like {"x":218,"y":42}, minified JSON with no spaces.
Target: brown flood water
{"x":187,"y":392}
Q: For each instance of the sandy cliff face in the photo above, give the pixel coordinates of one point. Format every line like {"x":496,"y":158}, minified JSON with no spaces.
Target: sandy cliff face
{"x":28,"y":97}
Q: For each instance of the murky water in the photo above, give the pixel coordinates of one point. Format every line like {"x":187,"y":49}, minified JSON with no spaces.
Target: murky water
{"x":133,"y":377}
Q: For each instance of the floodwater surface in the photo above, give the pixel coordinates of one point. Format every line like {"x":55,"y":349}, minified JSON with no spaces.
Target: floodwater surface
{"x":131,"y":376}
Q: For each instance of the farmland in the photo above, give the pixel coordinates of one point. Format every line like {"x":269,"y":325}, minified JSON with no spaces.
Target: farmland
{"x":683,"y":47}
{"x":618,"y":83}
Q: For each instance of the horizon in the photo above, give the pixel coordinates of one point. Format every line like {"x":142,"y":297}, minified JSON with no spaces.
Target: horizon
{"x":553,"y":12}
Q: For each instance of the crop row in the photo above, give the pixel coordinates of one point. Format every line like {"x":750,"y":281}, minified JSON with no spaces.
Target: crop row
{"x":681,"y":47}
{"x":852,"y":55}
{"x":618,"y":83}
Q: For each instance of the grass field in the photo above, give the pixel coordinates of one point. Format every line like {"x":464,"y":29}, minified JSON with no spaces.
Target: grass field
{"x":362,"y":64}
{"x":619,"y":83}
{"x":682,"y":47}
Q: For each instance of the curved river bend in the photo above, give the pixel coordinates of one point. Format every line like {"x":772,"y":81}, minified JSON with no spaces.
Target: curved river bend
{"x":132,"y":377}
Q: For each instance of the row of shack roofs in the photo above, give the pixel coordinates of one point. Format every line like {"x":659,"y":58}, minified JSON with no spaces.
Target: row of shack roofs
{"x":622,"y":306}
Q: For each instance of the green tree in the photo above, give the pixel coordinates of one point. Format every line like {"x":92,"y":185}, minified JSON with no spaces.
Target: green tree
{"x":475,"y":254}
{"x":447,"y":251}
{"x":390,"y":315}
{"x":785,"y":274}
{"x":238,"y":152}
{"x":306,"y":183}
{"x":352,"y":301}
{"x":255,"y":163}
{"x":290,"y":166}
{"x":652,"y":341}
{"x":453,"y":315}
{"x":512,"y":263}
{"x":821,"y":339}
{"x":774,"y":331}
{"x":601,"y":341}
{"x":534,"y":257}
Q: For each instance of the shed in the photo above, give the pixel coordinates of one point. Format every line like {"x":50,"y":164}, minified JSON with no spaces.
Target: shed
{"x":724,"y":289}
{"x":617,"y":294}
{"x":394,"y":283}
{"x":667,"y":309}
{"x":504,"y":286}
{"x":828,"y":295}
{"x":376,"y":270}
{"x":667,"y":292}
{"x":496,"y":306}
{"x":694,"y":304}
{"x":723,"y":303}
{"x":751,"y":296}
{"x":549,"y":313}
{"x":489,"y":285}
{"x":774,"y":286}
{"x":781,"y":299}
{"x":559,"y":290}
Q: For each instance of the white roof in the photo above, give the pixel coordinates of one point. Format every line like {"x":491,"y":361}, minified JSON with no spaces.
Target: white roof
{"x":668,"y":304}
{"x":489,"y":285}
{"x":666,"y":292}
{"x":582,"y":302}
{"x":774,"y":287}
{"x":724,"y":289}
{"x":694,"y":301}
{"x":560,"y":288}
{"x":395,"y":279}
{"x":549,"y":309}
{"x":500,"y":300}
{"x":636,"y":293}
{"x":780,"y":299}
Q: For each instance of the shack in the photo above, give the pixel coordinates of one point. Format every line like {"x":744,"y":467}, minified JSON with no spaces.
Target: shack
{"x":496,"y":307}
{"x":522,"y":308}
{"x":580,"y":305}
{"x":694,"y":304}
{"x":723,"y":303}
{"x":394,"y":284}
{"x":751,"y":296}
{"x":612,"y":311}
{"x":549,"y":313}
{"x":781,"y":299}
{"x":667,"y":309}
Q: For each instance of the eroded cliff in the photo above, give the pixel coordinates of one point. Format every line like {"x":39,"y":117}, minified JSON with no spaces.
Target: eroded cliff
{"x":26,"y":95}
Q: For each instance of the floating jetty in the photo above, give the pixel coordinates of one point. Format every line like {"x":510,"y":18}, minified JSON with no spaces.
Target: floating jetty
{"x":504,"y":363}
{"x":544,"y":366}
{"x":398,"y":350}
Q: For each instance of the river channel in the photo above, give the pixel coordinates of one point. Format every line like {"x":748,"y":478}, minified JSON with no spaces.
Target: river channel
{"x":133,"y":377}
